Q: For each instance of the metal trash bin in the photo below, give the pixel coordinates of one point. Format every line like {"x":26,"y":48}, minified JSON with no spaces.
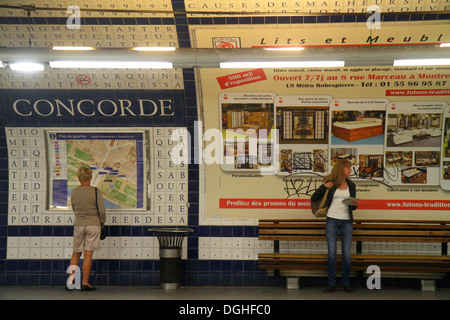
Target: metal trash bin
{"x":170,"y":245}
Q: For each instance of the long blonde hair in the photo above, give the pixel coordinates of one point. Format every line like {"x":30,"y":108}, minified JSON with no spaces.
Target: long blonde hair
{"x":337,"y":173}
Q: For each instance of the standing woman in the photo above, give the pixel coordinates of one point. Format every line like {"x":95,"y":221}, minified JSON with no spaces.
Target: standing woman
{"x":339,"y":217}
{"x":87,"y":225}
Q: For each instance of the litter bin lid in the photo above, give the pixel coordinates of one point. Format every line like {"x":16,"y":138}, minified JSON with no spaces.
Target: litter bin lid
{"x":171,"y":230}
{"x":170,"y":237}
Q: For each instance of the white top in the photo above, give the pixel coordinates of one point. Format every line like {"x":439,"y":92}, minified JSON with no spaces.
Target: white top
{"x":338,"y":209}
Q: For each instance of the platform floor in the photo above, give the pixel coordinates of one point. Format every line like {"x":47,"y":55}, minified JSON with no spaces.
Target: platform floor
{"x":221,"y":302}
{"x":214,"y":293}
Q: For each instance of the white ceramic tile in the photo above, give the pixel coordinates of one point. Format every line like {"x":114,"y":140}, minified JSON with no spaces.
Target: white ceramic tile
{"x":13,"y":242}
{"x":238,"y":254}
{"x":12,"y":253}
{"x":101,"y":254}
{"x":136,"y":253}
{"x":249,"y":254}
{"x":125,"y":253}
{"x":203,"y":253}
{"x":46,"y":242}
{"x":435,"y":249}
{"x":150,"y":253}
{"x":47,"y":253}
{"x":226,"y":243}
{"x":229,"y":248}
{"x":68,"y":252}
{"x":58,"y":253}
{"x":215,"y":253}
{"x":35,"y":253}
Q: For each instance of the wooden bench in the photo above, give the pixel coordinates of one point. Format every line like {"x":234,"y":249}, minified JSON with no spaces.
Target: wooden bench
{"x":397,"y":263}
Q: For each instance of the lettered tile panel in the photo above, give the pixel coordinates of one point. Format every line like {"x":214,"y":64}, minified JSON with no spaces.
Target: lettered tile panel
{"x":170,"y":176}
{"x":27,"y":176}
{"x":167,"y":186}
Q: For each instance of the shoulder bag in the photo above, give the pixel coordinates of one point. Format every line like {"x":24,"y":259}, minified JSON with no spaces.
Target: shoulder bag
{"x":103,"y":227}
{"x":319,"y":208}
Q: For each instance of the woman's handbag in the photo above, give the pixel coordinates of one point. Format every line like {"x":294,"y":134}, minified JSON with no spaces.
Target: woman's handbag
{"x":319,"y":208}
{"x":103,"y":227}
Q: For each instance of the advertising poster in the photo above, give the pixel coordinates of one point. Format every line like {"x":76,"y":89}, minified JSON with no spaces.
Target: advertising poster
{"x":321,"y":114}
{"x":302,"y":123}
{"x":357,"y":134}
{"x":247,"y":120}
{"x":445,"y":150}
{"x":392,"y":122}
{"x":413,"y":141}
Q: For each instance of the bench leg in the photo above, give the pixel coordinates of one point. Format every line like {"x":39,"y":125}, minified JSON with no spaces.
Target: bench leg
{"x":428,"y":285}
{"x":292,"y":283}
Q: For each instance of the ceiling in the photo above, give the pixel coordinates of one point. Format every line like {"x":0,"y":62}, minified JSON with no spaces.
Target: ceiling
{"x":118,"y":23}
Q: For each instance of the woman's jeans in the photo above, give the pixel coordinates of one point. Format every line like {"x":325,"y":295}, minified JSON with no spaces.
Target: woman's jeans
{"x":346,"y":228}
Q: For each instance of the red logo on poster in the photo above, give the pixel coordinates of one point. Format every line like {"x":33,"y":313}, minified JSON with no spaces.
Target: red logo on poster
{"x":224,"y":45}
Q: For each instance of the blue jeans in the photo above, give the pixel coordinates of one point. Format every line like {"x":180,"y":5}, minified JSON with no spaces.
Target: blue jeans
{"x":346,"y":228}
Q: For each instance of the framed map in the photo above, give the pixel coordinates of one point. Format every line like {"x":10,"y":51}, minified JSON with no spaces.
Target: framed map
{"x":117,"y":160}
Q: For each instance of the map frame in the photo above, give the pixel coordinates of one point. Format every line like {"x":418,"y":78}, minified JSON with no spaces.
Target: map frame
{"x":58,"y":187}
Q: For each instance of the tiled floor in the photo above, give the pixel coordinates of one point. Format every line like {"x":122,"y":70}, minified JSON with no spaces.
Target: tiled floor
{"x":214,"y":293}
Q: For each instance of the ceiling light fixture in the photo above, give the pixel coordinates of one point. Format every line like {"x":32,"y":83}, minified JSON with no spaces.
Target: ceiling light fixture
{"x":421,"y":62}
{"x":383,"y":55}
{"x":154,"y":48}
{"x":112,"y":64}
{"x":284,"y":48}
{"x":282,"y":64}
{"x":64,"y":48}
{"x":26,"y":66}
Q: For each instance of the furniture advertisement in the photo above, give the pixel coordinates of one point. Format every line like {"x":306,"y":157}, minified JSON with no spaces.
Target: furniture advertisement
{"x":388,"y":121}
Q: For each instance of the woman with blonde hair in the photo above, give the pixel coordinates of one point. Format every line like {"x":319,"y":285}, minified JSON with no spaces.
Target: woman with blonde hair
{"x":87,"y":225}
{"x":339,"y":217}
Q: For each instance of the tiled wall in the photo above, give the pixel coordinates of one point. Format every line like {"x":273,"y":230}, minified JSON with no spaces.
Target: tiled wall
{"x":36,"y":243}
{"x":225,"y":254}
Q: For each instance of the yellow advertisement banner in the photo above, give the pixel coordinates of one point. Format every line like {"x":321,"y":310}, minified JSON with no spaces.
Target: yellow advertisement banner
{"x":307,"y":35}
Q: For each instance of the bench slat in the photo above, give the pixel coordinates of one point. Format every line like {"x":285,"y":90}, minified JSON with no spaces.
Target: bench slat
{"x":357,"y":268}
{"x":364,"y":230}
{"x":357,"y":221}
{"x":356,"y":238}
{"x":356,"y":226}
{"x":360,"y":232}
{"x":354,"y":256}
